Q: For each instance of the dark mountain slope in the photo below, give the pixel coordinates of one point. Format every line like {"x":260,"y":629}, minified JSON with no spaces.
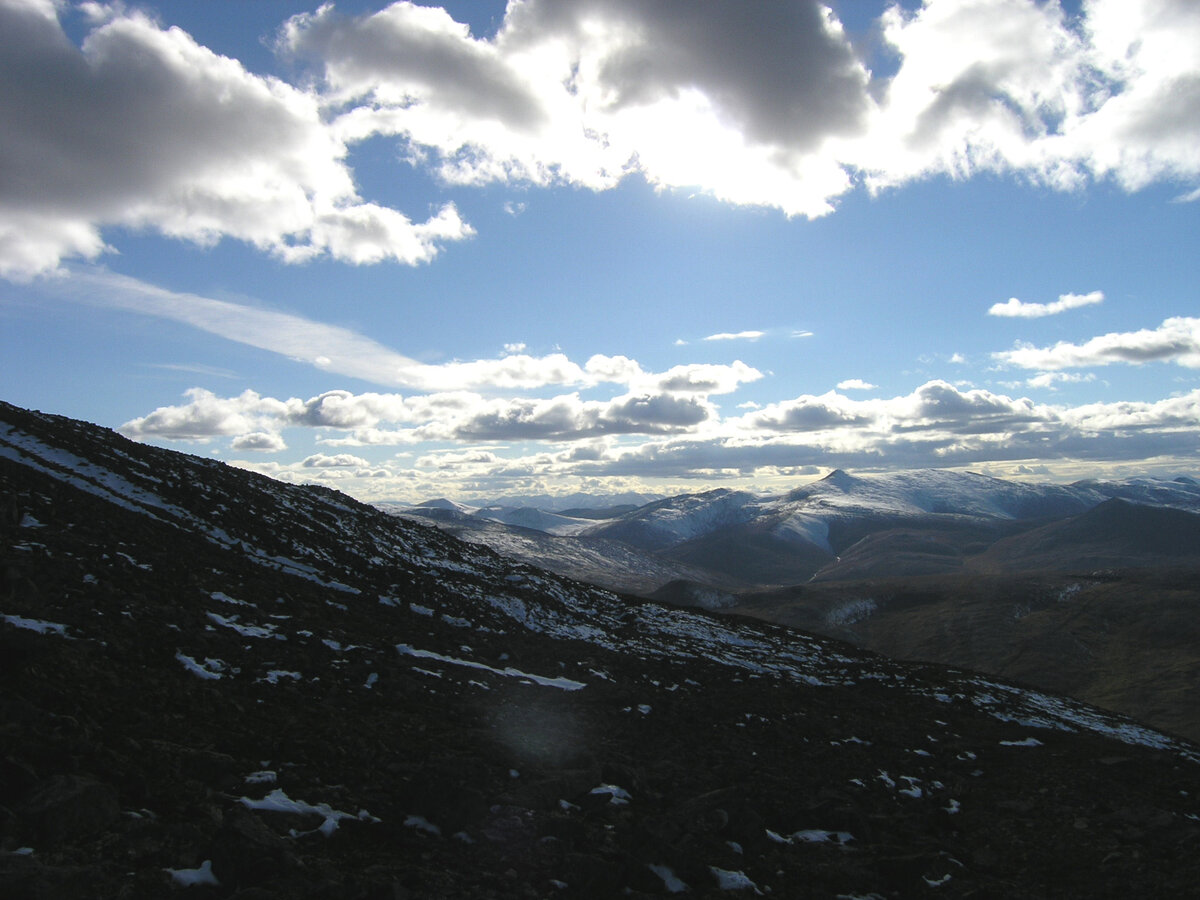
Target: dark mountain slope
{"x":206,"y":676}
{"x":1115,"y":534}
{"x":1128,"y":641}
{"x":749,"y":556}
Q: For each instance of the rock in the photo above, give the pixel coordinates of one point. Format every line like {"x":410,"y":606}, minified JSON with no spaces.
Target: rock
{"x":70,"y":807}
{"x":245,"y":852}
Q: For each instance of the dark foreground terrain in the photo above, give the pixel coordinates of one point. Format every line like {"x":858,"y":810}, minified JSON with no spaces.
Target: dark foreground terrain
{"x":215,"y":685}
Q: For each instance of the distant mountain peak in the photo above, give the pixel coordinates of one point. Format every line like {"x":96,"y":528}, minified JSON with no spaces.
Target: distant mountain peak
{"x":839,"y":477}
{"x":443,"y":503}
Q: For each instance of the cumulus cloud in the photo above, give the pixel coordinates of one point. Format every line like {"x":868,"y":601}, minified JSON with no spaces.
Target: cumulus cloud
{"x":679,"y":404}
{"x":570,"y":418}
{"x":259,"y":440}
{"x":1175,"y":340}
{"x":699,"y":378}
{"x":1014,"y":308}
{"x":142,"y":127}
{"x":758,"y":103}
{"x":808,"y":413}
{"x":207,"y":416}
{"x":769,"y":105}
{"x":736,"y":100}
{"x":936,"y":425}
{"x":340,"y":461}
{"x":634,"y":439}
{"x":934,"y":407}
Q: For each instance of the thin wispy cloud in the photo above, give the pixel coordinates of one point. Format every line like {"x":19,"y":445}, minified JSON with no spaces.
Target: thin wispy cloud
{"x":193,"y":369}
{"x":735,"y":336}
{"x":1014,"y":308}
{"x":339,"y":350}
{"x":1052,"y":380}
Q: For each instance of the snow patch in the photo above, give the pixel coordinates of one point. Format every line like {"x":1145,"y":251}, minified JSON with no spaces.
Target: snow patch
{"x":671,"y":881}
{"x":210,"y":669}
{"x":733,"y":881}
{"x":279,"y":801}
{"x":565,"y":684}
{"x":422,"y":824}
{"x":1028,"y":742}
{"x":203,"y":874}
{"x":854,"y":611}
{"x":38,"y":625}
{"x":618,"y":796}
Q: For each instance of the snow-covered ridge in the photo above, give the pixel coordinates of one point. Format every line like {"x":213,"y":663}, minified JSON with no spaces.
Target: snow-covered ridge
{"x":805,"y":514}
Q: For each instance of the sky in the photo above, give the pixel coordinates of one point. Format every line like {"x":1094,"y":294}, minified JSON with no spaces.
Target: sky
{"x":556,"y":246}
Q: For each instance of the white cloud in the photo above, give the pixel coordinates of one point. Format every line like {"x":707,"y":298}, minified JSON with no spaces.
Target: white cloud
{"x":1175,"y":340}
{"x":142,"y":127}
{"x":699,"y":378}
{"x":774,"y":108}
{"x":208,"y":416}
{"x":1014,"y":308}
{"x":666,"y":403}
{"x":936,"y":425}
{"x":736,"y":336}
{"x":632,"y":439}
{"x":1050,"y":379}
{"x":340,"y":461}
{"x":259,"y":440}
{"x":855,"y":384}
{"x":935,"y":407}
{"x":335,"y":349}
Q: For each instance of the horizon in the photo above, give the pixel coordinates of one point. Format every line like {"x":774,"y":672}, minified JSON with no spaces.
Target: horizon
{"x":477,"y":250}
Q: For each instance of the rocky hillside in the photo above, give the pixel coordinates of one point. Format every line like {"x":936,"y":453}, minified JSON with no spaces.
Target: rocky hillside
{"x":215,"y":685}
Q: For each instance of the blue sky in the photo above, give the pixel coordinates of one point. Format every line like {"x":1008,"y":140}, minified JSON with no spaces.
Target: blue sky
{"x":608,"y":245}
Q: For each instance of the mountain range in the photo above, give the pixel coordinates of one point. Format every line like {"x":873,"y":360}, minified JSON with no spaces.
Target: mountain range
{"x":844,"y":526}
{"x":219,"y":685}
{"x":1088,"y":589}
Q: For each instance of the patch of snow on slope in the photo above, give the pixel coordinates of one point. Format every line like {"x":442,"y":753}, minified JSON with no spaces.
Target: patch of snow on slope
{"x":209,"y":670}
{"x":203,"y":874}
{"x":279,"y":801}
{"x":565,"y":684}
{"x":805,"y":527}
{"x":254,"y":631}
{"x":671,"y":881}
{"x":84,"y":475}
{"x":854,"y":611}
{"x":38,"y":625}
